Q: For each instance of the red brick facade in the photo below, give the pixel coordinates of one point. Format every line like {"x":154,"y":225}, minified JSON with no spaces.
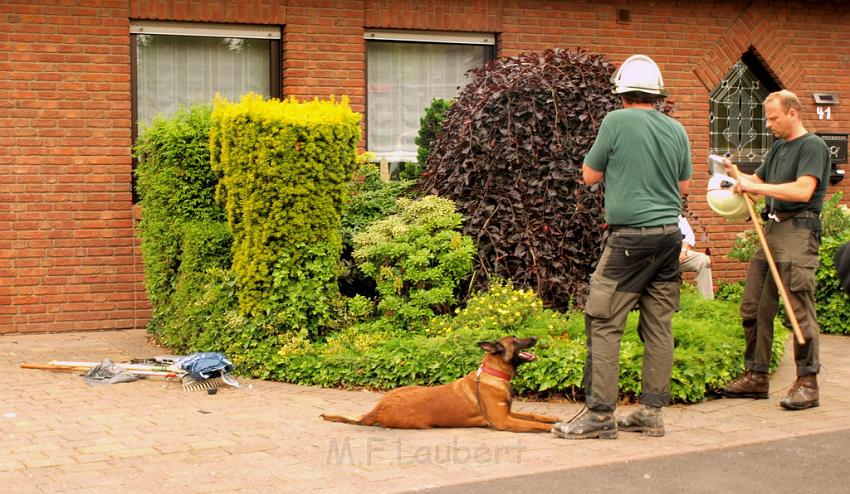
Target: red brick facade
{"x":68,"y":254}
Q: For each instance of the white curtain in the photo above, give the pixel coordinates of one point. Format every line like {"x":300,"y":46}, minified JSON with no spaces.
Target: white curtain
{"x":403,"y":79}
{"x":177,"y":71}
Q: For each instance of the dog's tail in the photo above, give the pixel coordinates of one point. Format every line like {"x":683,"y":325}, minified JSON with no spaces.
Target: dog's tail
{"x":340,"y":418}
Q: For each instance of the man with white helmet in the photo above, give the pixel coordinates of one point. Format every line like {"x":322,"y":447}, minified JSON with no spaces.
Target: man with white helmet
{"x":793,"y":178}
{"x":643,"y":156}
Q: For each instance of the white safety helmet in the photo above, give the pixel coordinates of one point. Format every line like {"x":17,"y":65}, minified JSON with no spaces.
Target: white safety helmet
{"x":724,"y":201}
{"x":639,"y":73}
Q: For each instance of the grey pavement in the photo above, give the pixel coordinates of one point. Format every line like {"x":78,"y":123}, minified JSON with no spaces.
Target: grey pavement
{"x":812,"y":463}
{"x":58,"y":434}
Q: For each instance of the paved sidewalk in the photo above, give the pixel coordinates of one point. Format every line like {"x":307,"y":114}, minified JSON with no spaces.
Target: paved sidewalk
{"x":57,"y":434}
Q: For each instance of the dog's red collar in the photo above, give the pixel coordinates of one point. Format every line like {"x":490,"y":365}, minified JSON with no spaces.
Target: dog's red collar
{"x":493,"y":372}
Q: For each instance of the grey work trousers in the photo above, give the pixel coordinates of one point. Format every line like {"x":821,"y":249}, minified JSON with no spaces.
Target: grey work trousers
{"x":637,"y":266}
{"x":794,"y":244}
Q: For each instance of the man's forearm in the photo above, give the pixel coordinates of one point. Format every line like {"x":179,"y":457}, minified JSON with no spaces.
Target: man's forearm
{"x":791,"y":192}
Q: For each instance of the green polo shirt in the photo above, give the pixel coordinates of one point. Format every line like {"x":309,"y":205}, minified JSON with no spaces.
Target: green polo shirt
{"x":789,"y":160}
{"x":643,"y":154}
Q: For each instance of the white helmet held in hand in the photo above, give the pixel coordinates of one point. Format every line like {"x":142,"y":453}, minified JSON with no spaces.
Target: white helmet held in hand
{"x":724,"y":201}
{"x":639,"y":73}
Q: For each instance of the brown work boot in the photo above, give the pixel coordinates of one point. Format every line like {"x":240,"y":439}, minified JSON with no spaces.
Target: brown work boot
{"x":592,"y":424}
{"x":803,"y":393}
{"x":751,"y":385}
{"x":646,"y":420}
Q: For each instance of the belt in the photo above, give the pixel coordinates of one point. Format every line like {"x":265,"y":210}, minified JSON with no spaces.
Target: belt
{"x":785,"y":215}
{"x":645,"y":230}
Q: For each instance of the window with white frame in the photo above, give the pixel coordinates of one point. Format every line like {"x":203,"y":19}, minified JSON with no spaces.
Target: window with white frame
{"x":181,"y":64}
{"x":406,"y":70}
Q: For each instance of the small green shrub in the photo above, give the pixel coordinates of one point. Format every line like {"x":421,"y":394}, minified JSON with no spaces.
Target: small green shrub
{"x":205,"y":317}
{"x":418,"y":259}
{"x":835,"y":216}
{"x":731,"y":292}
{"x":370,"y":199}
{"x":407,"y":171}
{"x":746,"y":244}
{"x":501,"y":307}
{"x":430,"y":125}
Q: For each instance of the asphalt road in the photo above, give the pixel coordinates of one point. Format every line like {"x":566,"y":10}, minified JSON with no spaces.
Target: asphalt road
{"x":818,"y":463}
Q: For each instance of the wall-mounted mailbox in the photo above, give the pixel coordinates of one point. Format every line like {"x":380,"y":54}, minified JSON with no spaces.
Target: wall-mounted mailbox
{"x":837,"y":144}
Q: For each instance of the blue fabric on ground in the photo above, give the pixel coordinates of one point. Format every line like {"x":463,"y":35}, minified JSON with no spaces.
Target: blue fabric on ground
{"x":205,"y":365}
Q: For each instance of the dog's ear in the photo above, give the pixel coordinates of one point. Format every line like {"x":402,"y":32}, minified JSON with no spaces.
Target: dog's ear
{"x":493,"y":347}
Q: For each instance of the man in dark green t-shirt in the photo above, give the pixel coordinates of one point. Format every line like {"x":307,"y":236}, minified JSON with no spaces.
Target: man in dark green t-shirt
{"x":643,"y":156}
{"x":793,"y":179}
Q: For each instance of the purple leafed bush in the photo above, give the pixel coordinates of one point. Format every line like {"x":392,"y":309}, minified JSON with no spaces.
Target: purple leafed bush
{"x":510,"y":156}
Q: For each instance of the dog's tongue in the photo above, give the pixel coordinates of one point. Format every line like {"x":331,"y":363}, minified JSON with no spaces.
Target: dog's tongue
{"x":527,"y":356}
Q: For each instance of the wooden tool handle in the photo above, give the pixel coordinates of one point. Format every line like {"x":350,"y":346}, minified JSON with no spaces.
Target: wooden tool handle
{"x":789,"y":309}
{"x":61,"y":368}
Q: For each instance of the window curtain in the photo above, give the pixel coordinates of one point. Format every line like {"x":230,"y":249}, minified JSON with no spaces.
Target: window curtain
{"x":403,"y":79}
{"x":177,"y":71}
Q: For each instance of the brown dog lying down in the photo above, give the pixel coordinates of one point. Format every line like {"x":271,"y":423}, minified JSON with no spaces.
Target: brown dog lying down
{"x":480,"y":399}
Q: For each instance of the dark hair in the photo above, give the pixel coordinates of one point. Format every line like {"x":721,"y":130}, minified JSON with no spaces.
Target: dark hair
{"x":640,"y":97}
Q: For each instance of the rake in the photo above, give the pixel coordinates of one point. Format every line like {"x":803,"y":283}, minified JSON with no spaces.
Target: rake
{"x":212,"y":383}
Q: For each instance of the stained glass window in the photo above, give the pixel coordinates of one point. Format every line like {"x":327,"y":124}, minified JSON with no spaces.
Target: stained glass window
{"x":738,"y":128}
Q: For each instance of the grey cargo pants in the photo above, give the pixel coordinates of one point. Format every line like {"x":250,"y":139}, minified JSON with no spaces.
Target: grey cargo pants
{"x":638,"y":266}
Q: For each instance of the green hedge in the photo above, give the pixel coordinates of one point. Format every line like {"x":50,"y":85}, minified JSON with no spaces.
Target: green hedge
{"x":285,"y":169}
{"x":182,"y":229}
{"x":833,"y":303}
{"x":708,"y":352}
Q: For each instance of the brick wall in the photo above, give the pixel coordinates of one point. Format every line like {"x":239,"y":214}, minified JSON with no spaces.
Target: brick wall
{"x":447,"y":15}
{"x":68,"y":254}
{"x":323,"y":50}
{"x":67,"y":257}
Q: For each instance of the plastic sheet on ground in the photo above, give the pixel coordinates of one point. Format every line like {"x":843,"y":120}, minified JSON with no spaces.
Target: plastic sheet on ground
{"x":108,"y":372}
{"x":204,"y":365}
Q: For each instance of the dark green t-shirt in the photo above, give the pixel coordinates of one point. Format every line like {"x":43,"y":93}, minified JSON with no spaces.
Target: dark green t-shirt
{"x":789,"y":160}
{"x":644,"y":154}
